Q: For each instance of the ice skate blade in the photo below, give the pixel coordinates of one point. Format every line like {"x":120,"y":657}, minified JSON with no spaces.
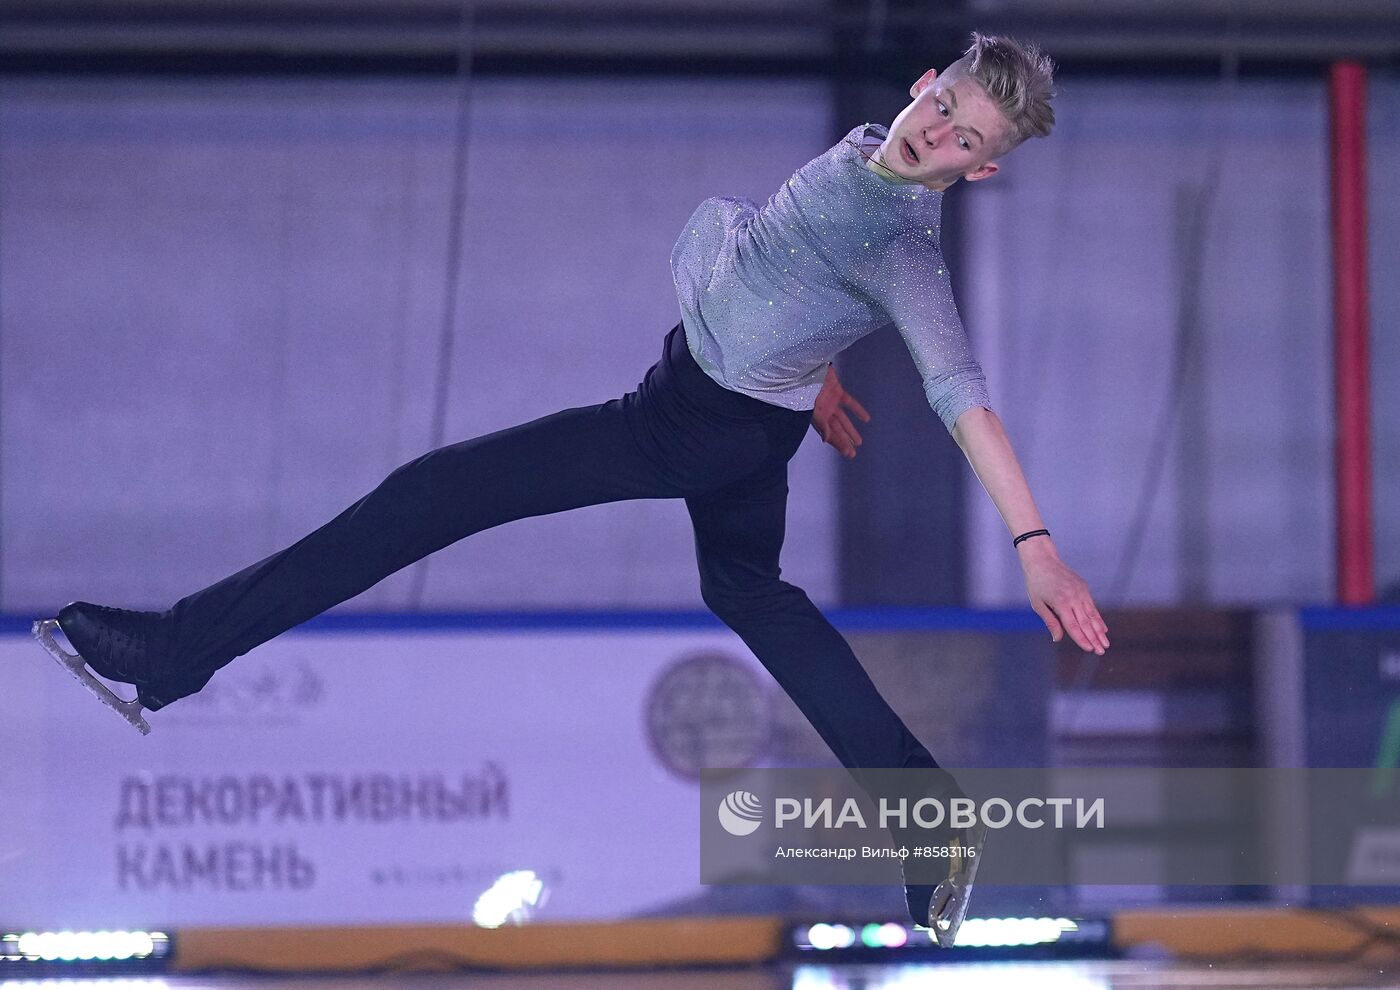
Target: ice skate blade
{"x":130,"y":711}
{"x":948,"y":906}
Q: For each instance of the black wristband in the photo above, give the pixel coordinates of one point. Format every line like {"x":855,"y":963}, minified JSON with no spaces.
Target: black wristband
{"x":1026,"y":536}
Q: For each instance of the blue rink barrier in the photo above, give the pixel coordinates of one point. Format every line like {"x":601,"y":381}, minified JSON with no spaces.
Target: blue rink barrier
{"x":863,"y":619}
{"x":416,"y":761}
{"x":1378,"y":618}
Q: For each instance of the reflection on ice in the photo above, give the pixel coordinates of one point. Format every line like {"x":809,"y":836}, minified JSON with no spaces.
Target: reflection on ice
{"x":961,"y":976}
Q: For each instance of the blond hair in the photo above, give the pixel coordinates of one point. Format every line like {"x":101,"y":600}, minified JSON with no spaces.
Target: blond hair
{"x":1019,"y":78}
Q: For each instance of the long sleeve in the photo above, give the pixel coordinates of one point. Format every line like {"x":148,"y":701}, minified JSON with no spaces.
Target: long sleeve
{"x":769,"y":294}
{"x":909,"y":281}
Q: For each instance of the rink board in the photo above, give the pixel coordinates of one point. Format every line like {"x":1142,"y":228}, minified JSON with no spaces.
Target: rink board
{"x":391,"y":775}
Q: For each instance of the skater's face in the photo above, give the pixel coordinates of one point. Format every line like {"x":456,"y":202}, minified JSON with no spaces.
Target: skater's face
{"x":951,"y":131}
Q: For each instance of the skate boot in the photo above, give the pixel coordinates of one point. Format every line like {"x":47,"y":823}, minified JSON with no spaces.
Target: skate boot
{"x":120,"y":645}
{"x":948,"y":905}
{"x":943,"y":906}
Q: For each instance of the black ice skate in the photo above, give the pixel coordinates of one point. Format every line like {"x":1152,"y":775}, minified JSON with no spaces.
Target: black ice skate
{"x":119,"y":645}
{"x":942,"y":907}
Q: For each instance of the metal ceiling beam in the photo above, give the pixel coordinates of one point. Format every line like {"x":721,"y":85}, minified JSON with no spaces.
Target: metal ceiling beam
{"x":622,"y":33}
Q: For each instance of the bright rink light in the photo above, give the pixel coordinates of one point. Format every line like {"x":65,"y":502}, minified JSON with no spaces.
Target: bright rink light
{"x":102,"y":983}
{"x":964,"y":976}
{"x":974,"y":933}
{"x":822,"y":936}
{"x":892,"y":936}
{"x":1003,"y":932}
{"x":887,"y":936}
{"x":70,"y":946}
{"x":510,"y":898}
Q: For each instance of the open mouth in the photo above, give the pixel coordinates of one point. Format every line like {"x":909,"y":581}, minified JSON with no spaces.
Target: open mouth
{"x":909,"y":155}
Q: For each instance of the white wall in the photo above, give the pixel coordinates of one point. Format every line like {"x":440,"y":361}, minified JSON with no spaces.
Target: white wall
{"x":220,"y":305}
{"x":222,"y":302}
{"x":1081,"y":270}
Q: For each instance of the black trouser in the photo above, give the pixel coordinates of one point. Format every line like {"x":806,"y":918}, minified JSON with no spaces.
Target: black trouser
{"x":679,"y":435}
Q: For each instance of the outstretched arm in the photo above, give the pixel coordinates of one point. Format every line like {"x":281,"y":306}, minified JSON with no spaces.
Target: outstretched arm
{"x":920,"y":304}
{"x":1058,"y":595}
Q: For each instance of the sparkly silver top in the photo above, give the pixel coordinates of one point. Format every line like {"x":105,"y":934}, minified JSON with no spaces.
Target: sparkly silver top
{"x":770,"y":294}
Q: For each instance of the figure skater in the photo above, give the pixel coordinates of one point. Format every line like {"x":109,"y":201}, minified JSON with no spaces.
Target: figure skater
{"x":768,"y":296}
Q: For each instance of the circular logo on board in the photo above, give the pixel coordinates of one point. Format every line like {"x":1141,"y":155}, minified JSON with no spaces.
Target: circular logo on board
{"x":708,"y":710}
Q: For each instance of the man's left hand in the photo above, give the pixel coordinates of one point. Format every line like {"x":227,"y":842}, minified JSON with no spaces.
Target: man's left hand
{"x":829,"y":417}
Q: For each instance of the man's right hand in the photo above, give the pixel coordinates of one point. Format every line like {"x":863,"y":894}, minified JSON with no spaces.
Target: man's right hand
{"x":829,"y":417}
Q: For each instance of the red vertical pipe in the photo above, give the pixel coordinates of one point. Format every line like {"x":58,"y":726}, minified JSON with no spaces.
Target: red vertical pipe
{"x":1356,"y":582}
